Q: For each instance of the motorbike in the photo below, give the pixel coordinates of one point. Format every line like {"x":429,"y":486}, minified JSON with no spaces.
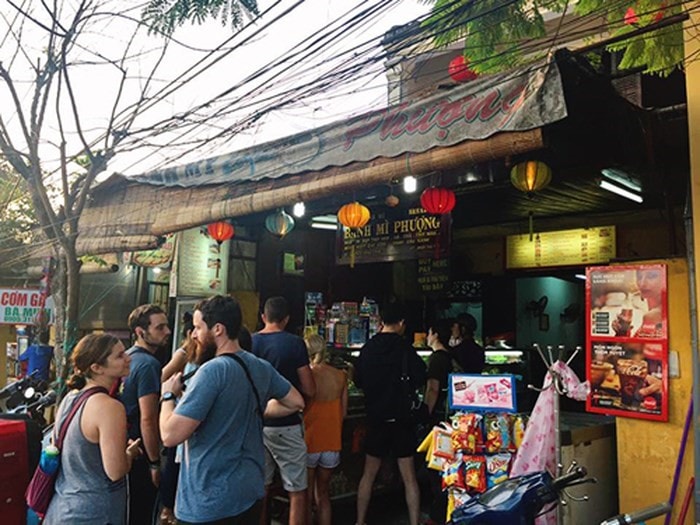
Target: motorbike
{"x":34,"y":406}
{"x":29,"y":388}
{"x":520,"y":500}
{"x":517,"y":501}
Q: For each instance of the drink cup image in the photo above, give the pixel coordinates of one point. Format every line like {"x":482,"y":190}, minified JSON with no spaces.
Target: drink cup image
{"x":632,"y":374}
{"x":624,"y":322}
{"x":599,"y":371}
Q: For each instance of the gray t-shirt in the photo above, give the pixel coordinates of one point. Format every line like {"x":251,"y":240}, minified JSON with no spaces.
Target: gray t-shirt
{"x":223,"y":465}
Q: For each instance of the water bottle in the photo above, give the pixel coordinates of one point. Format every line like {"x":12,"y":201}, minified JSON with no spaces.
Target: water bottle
{"x":49,"y":459}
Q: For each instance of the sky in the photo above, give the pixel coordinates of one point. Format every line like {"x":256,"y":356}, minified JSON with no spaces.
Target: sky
{"x":97,"y":68}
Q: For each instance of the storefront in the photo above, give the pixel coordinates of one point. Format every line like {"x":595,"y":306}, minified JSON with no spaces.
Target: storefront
{"x":437,"y":267}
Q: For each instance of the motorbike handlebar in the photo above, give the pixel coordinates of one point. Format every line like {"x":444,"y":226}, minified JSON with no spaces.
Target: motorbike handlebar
{"x":567,"y":479}
{"x":640,"y":515}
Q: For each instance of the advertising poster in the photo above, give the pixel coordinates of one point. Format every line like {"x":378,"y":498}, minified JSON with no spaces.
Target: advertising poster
{"x":627,"y":341}
{"x":482,"y":392}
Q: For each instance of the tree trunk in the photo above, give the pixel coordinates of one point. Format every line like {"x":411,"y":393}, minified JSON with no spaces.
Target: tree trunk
{"x":72,"y":299}
{"x":58,"y":292}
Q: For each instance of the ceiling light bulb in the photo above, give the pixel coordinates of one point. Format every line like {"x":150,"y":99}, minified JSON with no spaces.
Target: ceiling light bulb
{"x":299,"y":209}
{"x":410,"y":184}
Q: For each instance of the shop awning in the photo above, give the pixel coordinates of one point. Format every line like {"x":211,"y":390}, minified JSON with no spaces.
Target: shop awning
{"x":487,"y":119}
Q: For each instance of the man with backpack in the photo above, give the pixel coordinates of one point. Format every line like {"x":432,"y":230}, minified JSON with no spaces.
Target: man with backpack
{"x":389,"y":370}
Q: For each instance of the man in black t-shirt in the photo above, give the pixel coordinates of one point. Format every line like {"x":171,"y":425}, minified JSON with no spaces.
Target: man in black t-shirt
{"x":390,"y":430}
{"x":469,"y":354}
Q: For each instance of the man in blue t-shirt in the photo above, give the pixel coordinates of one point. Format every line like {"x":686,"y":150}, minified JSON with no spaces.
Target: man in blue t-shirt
{"x":220,"y":422}
{"x":284,"y":437}
{"x":139,"y":394}
{"x":38,"y":357}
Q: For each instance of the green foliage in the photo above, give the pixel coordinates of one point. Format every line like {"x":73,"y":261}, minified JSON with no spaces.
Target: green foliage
{"x":164,"y":16}
{"x":497,"y":33}
{"x":17,"y":217}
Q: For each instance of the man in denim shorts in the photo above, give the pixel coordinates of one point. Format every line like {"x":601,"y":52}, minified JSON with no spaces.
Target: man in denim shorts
{"x":285,"y":447}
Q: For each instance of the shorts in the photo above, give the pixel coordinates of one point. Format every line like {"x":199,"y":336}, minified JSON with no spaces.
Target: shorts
{"x":395,"y":439}
{"x":285,"y":448}
{"x":323,"y":459}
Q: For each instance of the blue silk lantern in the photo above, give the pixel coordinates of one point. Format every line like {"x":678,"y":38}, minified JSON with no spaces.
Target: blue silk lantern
{"x":279,"y":223}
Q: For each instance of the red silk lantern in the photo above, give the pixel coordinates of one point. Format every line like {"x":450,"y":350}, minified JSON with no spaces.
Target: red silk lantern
{"x":438,"y":201}
{"x":459,"y":70}
{"x":220,"y":231}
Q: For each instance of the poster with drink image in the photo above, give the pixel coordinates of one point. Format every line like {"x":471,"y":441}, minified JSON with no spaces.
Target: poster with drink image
{"x":627,"y":341}
{"x":627,"y":301}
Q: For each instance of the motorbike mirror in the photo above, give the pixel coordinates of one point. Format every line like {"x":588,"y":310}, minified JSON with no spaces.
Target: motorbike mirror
{"x":29,"y":392}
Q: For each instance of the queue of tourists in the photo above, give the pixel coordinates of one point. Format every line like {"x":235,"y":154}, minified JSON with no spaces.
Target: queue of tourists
{"x":200,"y":439}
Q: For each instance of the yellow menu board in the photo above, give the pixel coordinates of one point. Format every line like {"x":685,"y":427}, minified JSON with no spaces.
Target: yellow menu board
{"x":561,"y":248}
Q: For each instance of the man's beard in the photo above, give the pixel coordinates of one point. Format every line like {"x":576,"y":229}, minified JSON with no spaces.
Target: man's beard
{"x":206,"y":350}
{"x":152,"y":344}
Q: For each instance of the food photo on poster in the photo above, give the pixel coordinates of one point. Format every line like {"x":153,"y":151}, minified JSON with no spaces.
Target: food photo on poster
{"x":627,"y":301}
{"x":628,"y":377}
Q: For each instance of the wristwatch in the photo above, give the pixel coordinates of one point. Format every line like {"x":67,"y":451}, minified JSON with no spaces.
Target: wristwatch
{"x":167,"y":396}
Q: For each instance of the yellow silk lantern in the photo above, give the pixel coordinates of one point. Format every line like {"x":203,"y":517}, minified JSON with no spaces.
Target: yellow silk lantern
{"x":530,"y":176}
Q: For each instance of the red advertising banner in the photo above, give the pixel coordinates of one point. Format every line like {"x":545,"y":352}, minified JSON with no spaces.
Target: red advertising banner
{"x":627,"y":341}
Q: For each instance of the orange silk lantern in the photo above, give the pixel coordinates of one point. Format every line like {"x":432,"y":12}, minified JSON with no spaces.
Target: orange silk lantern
{"x":354,"y":216}
{"x":438,"y":201}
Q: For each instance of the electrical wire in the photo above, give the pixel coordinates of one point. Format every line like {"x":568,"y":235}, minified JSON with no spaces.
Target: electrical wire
{"x":255,"y":117}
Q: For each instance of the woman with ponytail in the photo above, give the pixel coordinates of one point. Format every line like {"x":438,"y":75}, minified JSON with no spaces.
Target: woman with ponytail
{"x":95,"y":455}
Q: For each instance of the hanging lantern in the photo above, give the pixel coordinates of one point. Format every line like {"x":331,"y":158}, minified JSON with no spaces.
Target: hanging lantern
{"x":354,"y":216}
{"x":438,"y":201}
{"x":459,"y":70}
{"x":529,"y":177}
{"x":220,"y":231}
{"x":279,"y":223}
{"x":392,"y":201}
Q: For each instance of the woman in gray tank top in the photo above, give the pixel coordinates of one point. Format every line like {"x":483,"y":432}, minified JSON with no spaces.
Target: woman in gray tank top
{"x":95,"y":458}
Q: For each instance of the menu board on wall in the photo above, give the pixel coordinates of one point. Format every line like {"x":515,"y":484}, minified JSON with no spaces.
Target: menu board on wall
{"x":627,"y":341}
{"x":561,"y":248}
{"x":202,"y":265}
{"x":398,"y":235}
{"x":433,"y":275}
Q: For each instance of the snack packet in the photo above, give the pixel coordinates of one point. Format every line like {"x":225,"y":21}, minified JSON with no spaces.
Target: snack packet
{"x":497,"y":433}
{"x":497,"y":467}
{"x":467,"y":436}
{"x":474,"y":473}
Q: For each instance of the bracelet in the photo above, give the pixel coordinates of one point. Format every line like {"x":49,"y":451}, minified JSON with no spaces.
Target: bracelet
{"x":154,"y":465}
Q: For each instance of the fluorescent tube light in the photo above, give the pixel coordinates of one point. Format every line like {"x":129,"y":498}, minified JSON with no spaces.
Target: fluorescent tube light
{"x":325,"y":222}
{"x":622,"y":192}
{"x":580,"y":276}
{"x":324,"y":226}
{"x":622,"y":178}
